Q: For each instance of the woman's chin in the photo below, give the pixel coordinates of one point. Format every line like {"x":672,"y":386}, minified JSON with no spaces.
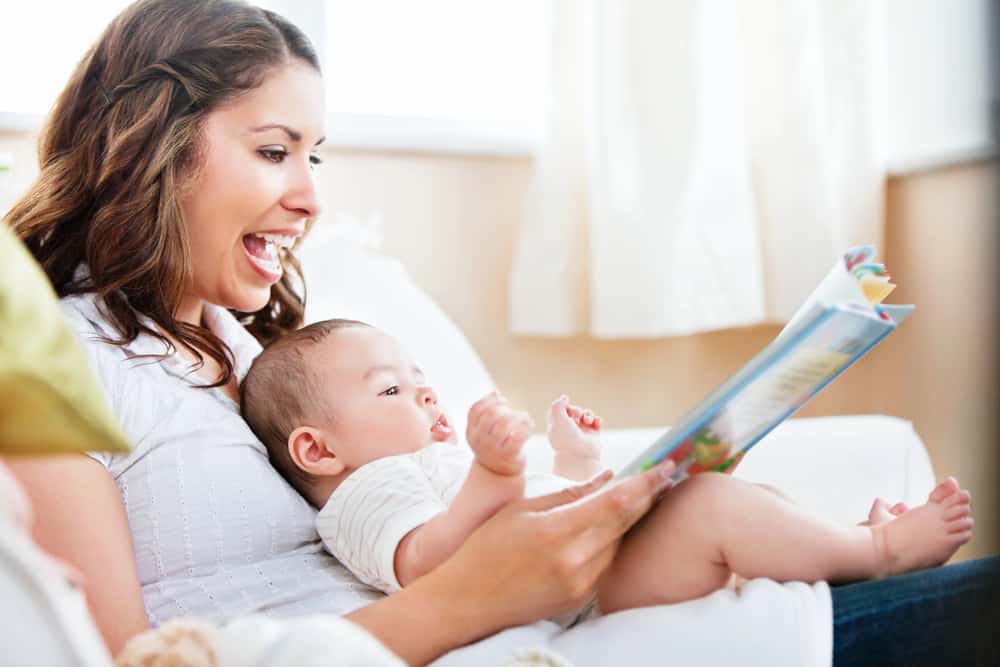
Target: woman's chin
{"x":250,"y":298}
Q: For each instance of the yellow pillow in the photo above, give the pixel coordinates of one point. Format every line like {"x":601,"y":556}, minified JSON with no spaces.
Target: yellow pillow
{"x":50,"y":401}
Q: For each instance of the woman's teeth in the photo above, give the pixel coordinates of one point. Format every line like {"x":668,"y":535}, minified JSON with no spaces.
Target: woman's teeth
{"x":277,"y":239}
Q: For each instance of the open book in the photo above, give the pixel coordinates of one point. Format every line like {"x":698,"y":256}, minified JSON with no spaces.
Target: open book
{"x":838,"y":324}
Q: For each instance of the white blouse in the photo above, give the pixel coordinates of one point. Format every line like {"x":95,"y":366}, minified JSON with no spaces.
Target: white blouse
{"x":217,"y":532}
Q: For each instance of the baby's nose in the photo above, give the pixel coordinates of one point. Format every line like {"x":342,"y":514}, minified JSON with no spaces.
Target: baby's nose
{"x":428,"y":396}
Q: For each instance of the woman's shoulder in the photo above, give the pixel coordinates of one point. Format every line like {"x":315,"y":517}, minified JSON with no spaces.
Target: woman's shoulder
{"x":130,"y":390}
{"x":81,"y":312}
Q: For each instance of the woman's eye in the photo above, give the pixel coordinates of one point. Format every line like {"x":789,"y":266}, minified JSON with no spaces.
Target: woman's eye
{"x":315,"y":160}
{"x":273,"y":154}
{"x":391,"y":391}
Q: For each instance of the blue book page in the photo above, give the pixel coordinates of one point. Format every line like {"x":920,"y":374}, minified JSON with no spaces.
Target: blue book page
{"x":765,"y":392}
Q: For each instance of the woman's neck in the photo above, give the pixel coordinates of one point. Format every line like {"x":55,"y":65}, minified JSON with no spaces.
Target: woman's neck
{"x":190,"y":310}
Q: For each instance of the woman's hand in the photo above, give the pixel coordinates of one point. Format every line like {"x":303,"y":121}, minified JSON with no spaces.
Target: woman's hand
{"x":542,"y":556}
{"x":534,"y":558}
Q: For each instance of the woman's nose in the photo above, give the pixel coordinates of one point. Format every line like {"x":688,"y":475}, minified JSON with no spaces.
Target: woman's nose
{"x":301,"y":194}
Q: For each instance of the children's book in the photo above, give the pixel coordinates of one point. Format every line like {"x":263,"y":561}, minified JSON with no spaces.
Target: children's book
{"x":838,"y":324}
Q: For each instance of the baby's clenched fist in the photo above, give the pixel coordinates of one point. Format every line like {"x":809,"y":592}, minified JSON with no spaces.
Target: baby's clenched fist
{"x":497,"y":433}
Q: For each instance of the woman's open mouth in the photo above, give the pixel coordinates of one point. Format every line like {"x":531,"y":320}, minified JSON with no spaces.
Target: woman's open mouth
{"x":441,"y":430}
{"x":262,"y":252}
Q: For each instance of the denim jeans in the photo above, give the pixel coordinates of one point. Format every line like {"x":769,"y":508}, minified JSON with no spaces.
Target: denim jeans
{"x":942,"y":617}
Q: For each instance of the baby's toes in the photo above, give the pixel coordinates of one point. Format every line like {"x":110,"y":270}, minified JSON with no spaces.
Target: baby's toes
{"x":963,"y":497}
{"x":879,"y":513}
{"x":955,"y":512}
{"x":961,"y":526}
{"x":559,"y":409}
{"x":945,"y":489}
{"x":899,"y":508}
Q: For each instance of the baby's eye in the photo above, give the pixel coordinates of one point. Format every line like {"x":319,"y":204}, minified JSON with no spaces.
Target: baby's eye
{"x":276,"y":155}
{"x":391,"y":391}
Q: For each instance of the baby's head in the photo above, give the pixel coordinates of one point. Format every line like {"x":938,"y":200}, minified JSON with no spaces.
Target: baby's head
{"x":333,"y":396}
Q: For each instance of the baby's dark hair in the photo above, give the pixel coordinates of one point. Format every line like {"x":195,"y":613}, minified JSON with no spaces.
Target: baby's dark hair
{"x":281,"y":393}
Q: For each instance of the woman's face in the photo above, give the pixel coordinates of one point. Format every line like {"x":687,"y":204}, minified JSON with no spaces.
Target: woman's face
{"x":253,"y":191}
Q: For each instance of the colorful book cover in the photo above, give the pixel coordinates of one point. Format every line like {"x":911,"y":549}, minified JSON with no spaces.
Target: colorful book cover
{"x":838,"y":324}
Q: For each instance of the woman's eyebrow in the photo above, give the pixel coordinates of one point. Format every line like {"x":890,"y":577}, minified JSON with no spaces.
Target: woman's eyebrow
{"x":294,"y":135}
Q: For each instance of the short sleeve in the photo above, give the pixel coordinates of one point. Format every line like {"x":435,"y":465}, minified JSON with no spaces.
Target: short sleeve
{"x":52,"y":402}
{"x":371,"y":512}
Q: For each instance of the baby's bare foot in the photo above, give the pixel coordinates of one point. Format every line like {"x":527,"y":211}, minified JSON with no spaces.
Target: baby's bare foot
{"x":881,"y":512}
{"x":573,"y":430}
{"x":924,"y":536}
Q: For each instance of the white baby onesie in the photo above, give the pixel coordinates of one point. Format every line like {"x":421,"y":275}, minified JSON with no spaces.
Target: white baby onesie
{"x":372,"y":510}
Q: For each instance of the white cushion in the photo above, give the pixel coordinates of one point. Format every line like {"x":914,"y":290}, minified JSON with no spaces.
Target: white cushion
{"x":347,"y":278}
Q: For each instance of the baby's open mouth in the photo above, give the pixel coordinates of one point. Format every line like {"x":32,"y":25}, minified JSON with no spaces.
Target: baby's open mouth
{"x":441,"y":430}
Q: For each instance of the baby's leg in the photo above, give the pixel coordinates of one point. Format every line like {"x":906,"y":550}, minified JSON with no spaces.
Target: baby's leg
{"x":712,"y":525}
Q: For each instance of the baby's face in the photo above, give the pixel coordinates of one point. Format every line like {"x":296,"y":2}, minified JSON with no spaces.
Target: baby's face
{"x":377,"y":396}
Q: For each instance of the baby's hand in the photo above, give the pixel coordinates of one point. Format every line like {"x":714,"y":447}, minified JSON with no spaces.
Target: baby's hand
{"x":574,"y":430}
{"x":497,"y":433}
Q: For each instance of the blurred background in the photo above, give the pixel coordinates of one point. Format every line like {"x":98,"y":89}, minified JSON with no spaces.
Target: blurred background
{"x":625,"y":200}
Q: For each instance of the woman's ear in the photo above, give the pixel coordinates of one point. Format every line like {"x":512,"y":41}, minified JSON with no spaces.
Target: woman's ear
{"x":308,"y":448}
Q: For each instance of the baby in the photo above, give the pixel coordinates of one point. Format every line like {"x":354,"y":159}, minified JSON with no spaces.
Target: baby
{"x":350,"y":421}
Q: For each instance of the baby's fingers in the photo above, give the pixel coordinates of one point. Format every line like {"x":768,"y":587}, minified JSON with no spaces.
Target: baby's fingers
{"x":518,"y":433}
{"x":483,"y":408}
{"x":506,"y":420}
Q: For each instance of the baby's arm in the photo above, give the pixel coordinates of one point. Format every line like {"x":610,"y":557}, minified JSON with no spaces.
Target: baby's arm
{"x":496,"y":434}
{"x":574,"y":435}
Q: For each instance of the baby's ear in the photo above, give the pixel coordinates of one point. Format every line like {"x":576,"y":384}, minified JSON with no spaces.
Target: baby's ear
{"x":307,"y":447}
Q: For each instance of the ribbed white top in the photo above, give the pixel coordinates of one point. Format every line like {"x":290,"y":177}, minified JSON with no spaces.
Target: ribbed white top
{"x":217,"y":532}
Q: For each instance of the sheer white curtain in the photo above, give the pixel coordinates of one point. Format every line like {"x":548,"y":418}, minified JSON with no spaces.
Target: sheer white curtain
{"x":705,"y":162}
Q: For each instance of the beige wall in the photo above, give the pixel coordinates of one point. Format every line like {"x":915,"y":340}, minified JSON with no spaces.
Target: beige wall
{"x":453,"y":220}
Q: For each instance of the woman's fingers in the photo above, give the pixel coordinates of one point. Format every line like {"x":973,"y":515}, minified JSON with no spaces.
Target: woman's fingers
{"x":567,"y":495}
{"x":607,"y":515}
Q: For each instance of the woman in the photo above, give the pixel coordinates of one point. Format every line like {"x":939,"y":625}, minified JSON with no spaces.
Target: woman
{"x":175,"y":173}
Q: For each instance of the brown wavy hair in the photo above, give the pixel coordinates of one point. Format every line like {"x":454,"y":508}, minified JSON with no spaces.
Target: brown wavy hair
{"x":117,"y":147}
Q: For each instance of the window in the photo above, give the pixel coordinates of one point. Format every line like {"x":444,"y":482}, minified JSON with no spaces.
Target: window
{"x":941,"y":91}
{"x":443,"y":73}
{"x":472,"y":75}
{"x":42,"y":41}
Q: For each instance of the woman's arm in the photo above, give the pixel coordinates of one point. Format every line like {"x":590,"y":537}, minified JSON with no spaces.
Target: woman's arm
{"x":79,"y":517}
{"x":534,"y":558}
